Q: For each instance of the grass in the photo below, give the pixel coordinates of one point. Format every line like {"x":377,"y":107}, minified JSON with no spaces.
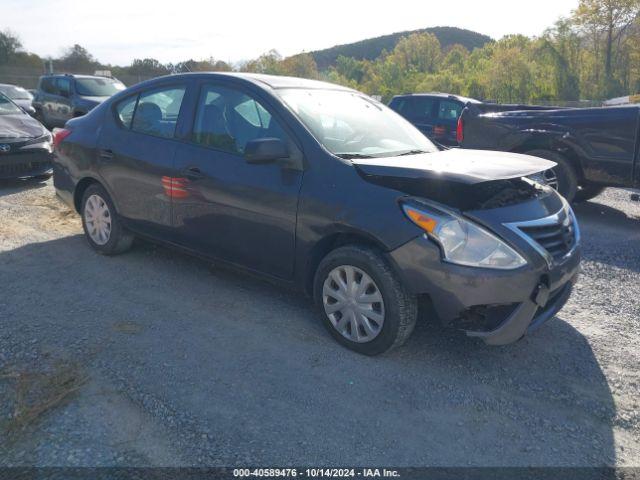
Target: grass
{"x":38,"y":392}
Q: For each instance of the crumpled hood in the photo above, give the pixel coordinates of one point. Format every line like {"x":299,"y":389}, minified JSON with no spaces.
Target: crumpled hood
{"x":458,"y":165}
{"x":463,"y":179}
{"x":20,"y":125}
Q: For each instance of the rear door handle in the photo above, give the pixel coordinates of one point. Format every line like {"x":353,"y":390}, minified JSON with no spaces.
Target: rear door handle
{"x":106,"y":154}
{"x":192,"y":173}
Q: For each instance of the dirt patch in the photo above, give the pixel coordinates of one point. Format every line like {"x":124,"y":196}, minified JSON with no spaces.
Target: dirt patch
{"x":36,"y":392}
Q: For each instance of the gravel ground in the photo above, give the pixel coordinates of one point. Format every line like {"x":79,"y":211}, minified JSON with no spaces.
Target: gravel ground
{"x":156,"y":358}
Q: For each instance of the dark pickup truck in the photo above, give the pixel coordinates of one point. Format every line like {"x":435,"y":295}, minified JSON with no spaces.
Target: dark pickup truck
{"x":593,"y":148}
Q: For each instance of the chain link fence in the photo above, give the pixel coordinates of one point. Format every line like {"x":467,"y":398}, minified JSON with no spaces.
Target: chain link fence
{"x":27,"y":77}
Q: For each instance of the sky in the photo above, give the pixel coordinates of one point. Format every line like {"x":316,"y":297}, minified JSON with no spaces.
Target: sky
{"x":117,"y":31}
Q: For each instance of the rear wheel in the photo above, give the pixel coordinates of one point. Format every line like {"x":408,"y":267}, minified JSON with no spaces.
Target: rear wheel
{"x":102,"y":225}
{"x":364,"y":305}
{"x":562,"y":177}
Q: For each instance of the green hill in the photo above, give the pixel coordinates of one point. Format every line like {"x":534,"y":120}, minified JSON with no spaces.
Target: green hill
{"x":371,"y":48}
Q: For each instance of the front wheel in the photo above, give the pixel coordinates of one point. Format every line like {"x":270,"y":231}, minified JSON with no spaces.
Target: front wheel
{"x":102,"y":225}
{"x":562,"y":177}
{"x":364,"y":305}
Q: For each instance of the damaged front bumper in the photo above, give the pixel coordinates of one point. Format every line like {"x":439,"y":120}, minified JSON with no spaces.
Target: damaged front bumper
{"x":496,"y":305}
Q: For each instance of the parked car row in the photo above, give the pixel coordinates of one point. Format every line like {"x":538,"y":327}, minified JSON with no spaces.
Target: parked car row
{"x":25,"y":145}
{"x":327,"y":190}
{"x":593,"y":148}
{"x":62,"y":97}
{"x":25,"y":142}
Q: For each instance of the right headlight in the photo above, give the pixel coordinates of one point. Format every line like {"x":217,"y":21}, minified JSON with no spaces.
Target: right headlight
{"x":463,"y":242}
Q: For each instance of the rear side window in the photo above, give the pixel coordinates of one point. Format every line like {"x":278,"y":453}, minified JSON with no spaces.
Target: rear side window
{"x":156,"y":112}
{"x":449,"y":110}
{"x":420,"y":107}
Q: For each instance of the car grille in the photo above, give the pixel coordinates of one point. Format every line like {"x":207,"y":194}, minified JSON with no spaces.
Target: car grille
{"x":557,"y":238}
{"x":17,"y":169}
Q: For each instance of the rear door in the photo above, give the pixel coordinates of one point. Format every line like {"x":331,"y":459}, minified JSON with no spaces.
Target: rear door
{"x":224,"y":206}
{"x":136,"y":153}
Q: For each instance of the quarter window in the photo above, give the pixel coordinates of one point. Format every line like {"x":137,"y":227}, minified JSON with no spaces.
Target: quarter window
{"x":228,"y":119}
{"x":125,"y":109}
{"x":156,"y":112}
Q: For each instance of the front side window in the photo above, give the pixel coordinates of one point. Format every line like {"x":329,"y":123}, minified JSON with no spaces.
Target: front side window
{"x":350,"y":124}
{"x":228,"y":119}
{"x":156,"y":112}
{"x":98,"y":87}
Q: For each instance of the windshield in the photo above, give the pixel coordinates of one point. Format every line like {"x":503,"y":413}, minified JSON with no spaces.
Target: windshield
{"x":98,"y":87}
{"x":15,"y":93}
{"x":352,"y":125}
{"x":7,"y":107}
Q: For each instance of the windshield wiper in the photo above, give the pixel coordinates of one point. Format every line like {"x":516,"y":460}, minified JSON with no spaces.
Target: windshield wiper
{"x":348,"y":156}
{"x":411,"y":152}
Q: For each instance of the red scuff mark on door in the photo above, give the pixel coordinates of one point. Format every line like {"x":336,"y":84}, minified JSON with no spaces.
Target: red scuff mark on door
{"x":175,"y":187}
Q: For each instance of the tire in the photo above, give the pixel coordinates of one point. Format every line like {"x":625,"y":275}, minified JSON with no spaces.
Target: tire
{"x":588,"y":192}
{"x":390,"y":321}
{"x":567,"y":178}
{"x":96,"y":207}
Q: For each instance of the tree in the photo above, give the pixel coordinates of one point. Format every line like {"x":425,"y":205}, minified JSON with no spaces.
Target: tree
{"x":148,"y":67}
{"x":302,"y":65}
{"x":607,"y":21}
{"x":419,"y":52}
{"x":9,"y":45}
{"x":509,"y":77}
{"x":77,"y":59}
{"x":266,"y":63}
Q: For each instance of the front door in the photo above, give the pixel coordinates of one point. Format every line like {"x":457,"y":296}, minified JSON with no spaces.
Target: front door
{"x":224,"y":206}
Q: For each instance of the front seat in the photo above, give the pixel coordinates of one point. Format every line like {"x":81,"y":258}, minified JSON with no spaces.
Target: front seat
{"x":213,"y":130}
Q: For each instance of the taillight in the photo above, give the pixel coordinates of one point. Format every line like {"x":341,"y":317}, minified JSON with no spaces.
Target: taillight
{"x":59,"y":134}
{"x":439,"y":131}
{"x":460,"y":131}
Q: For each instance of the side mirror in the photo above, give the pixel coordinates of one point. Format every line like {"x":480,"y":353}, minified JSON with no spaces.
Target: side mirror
{"x":265,"y":150}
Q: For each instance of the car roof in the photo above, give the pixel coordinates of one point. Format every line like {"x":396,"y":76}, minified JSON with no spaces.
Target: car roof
{"x":271,"y":81}
{"x":74,"y":75}
{"x":440,"y":95}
